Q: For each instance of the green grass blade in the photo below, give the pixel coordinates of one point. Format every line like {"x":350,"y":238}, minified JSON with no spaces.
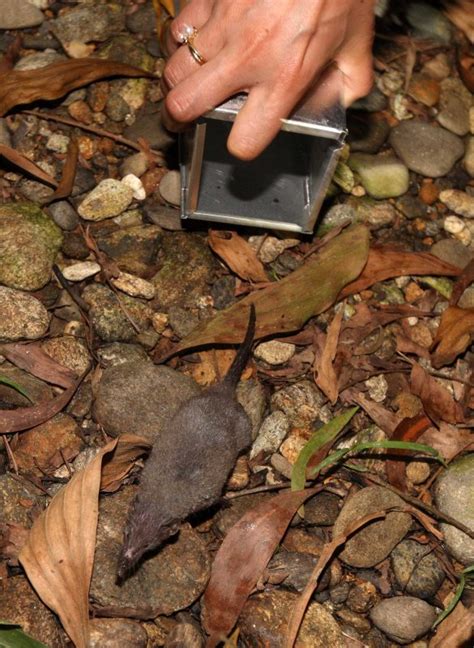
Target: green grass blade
{"x":457,"y":595}
{"x":335,"y":457}
{"x":11,"y":636}
{"x":322,"y":436}
{"x":10,"y":383}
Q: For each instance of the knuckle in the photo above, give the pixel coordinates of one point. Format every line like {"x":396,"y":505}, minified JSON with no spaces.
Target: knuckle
{"x":169,"y":76}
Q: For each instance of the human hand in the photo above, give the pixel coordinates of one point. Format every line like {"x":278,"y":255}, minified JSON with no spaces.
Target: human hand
{"x":274,"y":50}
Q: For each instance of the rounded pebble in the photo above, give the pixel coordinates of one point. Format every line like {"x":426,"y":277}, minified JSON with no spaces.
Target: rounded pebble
{"x":274,"y":352}
{"x":418,"y":471}
{"x":170,"y":188}
{"x":416,"y":568}
{"x":81,"y":271}
{"x":271,"y":434}
{"x":459,"y":202}
{"x":134,"y":286}
{"x":110,"y":198}
{"x":403,"y":618}
{"x":136,"y":185}
{"x":22,"y":316}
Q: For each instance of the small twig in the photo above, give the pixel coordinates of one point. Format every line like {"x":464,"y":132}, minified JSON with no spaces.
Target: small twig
{"x":10,"y":454}
{"x":66,"y":463}
{"x":436,"y":374}
{"x":92,"y":129}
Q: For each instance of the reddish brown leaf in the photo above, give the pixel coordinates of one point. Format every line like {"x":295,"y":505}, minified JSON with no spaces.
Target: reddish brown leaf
{"x":437,"y":401}
{"x":66,"y":183}
{"x":58,"y":79}
{"x":386,"y":263}
{"x":242,"y":558}
{"x":456,"y":630}
{"x":406,"y":345}
{"x":117,"y":466}
{"x":22,"y":162}
{"x":464,"y":280}
{"x":455,"y":333}
{"x":326,"y":377}
{"x":384,"y":418}
{"x":410,"y":429}
{"x":448,"y":440}
{"x":466,"y":70}
{"x":238,"y":255}
{"x":11,"y":55}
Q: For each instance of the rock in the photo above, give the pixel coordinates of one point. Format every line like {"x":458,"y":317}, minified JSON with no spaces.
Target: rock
{"x":149,"y":125}
{"x":5,"y":137}
{"x":234,"y":510}
{"x":412,"y":207}
{"x":424,"y":89}
{"x":29,"y":243}
{"x":367,"y":133}
{"x":269,"y":248}
{"x":274,"y":352}
{"x":337,"y":215}
{"x":438,"y":67}
{"x":185,"y":635}
{"x":455,"y":497}
{"x":142,"y":21}
{"x":134,"y":286}
{"x":426,"y":149}
{"x":22,"y":316}
{"x":456,"y":226}
{"x":20,"y":502}
{"x":322,"y":509}
{"x":170,"y":188}
{"x":264,"y":622}
{"x":110,"y":198}
{"x":20,"y":604}
{"x":183,"y":320}
{"x":187,"y":269}
{"x":374,"y":542}
{"x":251,"y":395}
{"x":374,"y":213}
{"x":271,"y":434}
{"x":165,"y":217}
{"x":377,"y":387}
{"x":297,"y":568}
{"x":38,"y":61}
{"x":80,"y":271}
{"x":64,"y":215}
{"x":453,"y":252}
{"x":301,"y":402}
{"x":74,"y":246}
{"x":87,"y":23}
{"x":42,"y":449}
{"x":137,"y":164}
{"x":140,"y":398}
{"x":19,"y":15}
{"x":117,"y":353}
{"x":467,"y":298}
{"x":136,"y":185}
{"x":169,"y":580}
{"x":362,"y":596}
{"x":70,"y":352}
{"x":428,"y":22}
{"x":130,"y":218}
{"x":403,"y":618}
{"x":468,"y":161}
{"x":418,"y":471}
{"x":58,"y":143}
{"x":108,"y":318}
{"x":454,"y":106}
{"x":416,"y":569}
{"x":459,"y":202}
{"x":134,"y":249}
{"x":381,"y":176}
{"x":110,"y":633}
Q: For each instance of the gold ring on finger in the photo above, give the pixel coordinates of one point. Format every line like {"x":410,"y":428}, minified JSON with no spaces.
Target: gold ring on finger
{"x":195,"y":53}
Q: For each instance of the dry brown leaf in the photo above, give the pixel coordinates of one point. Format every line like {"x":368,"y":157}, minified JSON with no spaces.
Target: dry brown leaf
{"x":381,"y":416}
{"x":455,"y":333}
{"x":238,"y":255}
{"x":65,"y":186}
{"x":386,"y":263}
{"x":326,"y":377}
{"x":410,"y":429}
{"x":27,"y":165}
{"x":437,"y":401}
{"x":19,"y":87}
{"x":461,"y":13}
{"x":129,"y":449}
{"x":448,"y":440}
{"x":58,"y":556}
{"x":466,"y":70}
{"x":456,"y":631}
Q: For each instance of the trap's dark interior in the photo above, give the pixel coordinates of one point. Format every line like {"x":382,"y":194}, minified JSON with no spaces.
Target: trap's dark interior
{"x":280,"y":185}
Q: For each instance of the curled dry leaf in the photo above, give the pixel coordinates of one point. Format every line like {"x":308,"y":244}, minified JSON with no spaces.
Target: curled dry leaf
{"x":20,"y":87}
{"x":437,"y":401}
{"x":326,"y":377}
{"x":287,"y":304}
{"x":242,"y":558}
{"x":238,"y":255}
{"x":129,"y":449}
{"x":22,"y":162}
{"x":58,"y":555}
{"x":455,"y":333}
{"x":65,"y":186}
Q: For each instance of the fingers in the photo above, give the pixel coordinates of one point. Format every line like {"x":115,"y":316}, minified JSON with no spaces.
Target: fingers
{"x":194,"y":15}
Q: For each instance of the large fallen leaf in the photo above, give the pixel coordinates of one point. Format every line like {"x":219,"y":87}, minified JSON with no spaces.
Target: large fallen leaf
{"x":286,"y":305}
{"x":437,"y":401}
{"x":242,"y":558}
{"x":455,"y":333}
{"x":58,"y":556}
{"x":238,"y":255}
{"x":129,"y":449}
{"x":19,"y":87}
{"x":386,"y":263}
{"x":456,"y":630}
{"x":31,"y":358}
{"x":326,"y":377}
{"x":448,"y":440}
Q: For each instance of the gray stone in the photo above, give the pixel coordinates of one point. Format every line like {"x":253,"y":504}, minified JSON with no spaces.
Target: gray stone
{"x":117,"y":353}
{"x":322,"y":509}
{"x":140,"y":398}
{"x":429,"y":22}
{"x":90,"y":22}
{"x":416,"y":568}
{"x":264,"y":622}
{"x":164,"y":216}
{"x":5,"y":137}
{"x":371,"y":544}
{"x":142,"y":21}
{"x":29,"y":242}
{"x":452,"y":251}
{"x":403,"y":618}
{"x":169,"y":580}
{"x":251,"y":395}
{"x":301,"y":402}
{"x":183,"y":320}
{"x":271,"y":433}
{"x":110,"y":198}
{"x":412,"y":207}
{"x":64,"y":215}
{"x":107,"y":313}
{"x":150,"y":127}
{"x":374,"y":213}
{"x":297,"y":568}
{"x":134,"y":249}
{"x":454,"y":494}
{"x":454,"y":105}
{"x":274,"y":352}
{"x":136,"y":164}
{"x":110,"y":633}
{"x":170,"y":187}
{"x":22,"y":316}
{"x":337,"y":215}
{"x":20,"y":604}
{"x":467,"y":298}
{"x":12,"y":493}
{"x":373,"y":102}
{"x":459,"y":202}
{"x":429,"y":150}
{"x":20,"y":14}
{"x":39,"y":60}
